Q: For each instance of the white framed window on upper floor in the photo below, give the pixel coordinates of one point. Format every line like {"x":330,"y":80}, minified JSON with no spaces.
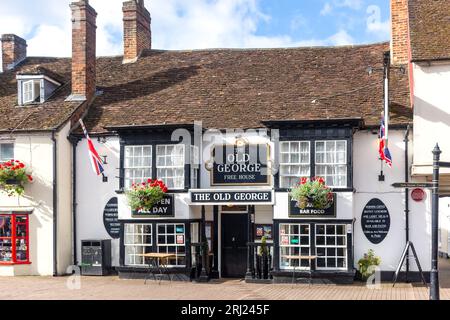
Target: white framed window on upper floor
{"x":170,"y":165}
{"x":195,"y":166}
{"x":295,"y":162}
{"x":35,"y":89}
{"x":137,"y":165}
{"x":6,"y":152}
{"x":331,"y":162}
{"x":31,"y":91}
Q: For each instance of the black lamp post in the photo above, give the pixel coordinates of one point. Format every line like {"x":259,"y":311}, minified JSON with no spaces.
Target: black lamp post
{"x":434,"y":276}
{"x":203,"y":249}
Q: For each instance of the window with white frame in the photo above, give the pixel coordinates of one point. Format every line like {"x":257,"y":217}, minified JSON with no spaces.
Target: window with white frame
{"x":6,"y":152}
{"x":331,"y":162}
{"x":294,"y":242}
{"x":331,"y":246}
{"x":171,"y":239}
{"x":195,"y":166}
{"x":137,"y":241}
{"x":294,"y":162}
{"x":170,"y":165}
{"x":31,"y":91}
{"x":138,"y":164}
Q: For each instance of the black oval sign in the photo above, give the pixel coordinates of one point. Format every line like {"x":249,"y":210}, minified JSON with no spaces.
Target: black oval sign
{"x":111,"y":218}
{"x":375,"y":221}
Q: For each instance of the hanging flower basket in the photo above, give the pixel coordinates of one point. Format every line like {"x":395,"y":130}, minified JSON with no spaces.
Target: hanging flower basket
{"x":312,"y":193}
{"x":13,"y":177}
{"x":144,"y":196}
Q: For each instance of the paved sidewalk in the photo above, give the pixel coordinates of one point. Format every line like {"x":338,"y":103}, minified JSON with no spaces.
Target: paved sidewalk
{"x":108,"y":288}
{"x":101,"y":288}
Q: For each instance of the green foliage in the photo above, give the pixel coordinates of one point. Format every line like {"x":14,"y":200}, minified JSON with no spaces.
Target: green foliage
{"x":13,"y":177}
{"x":143,"y":197}
{"x":263,"y":249}
{"x":368,"y":261}
{"x":312,"y":191}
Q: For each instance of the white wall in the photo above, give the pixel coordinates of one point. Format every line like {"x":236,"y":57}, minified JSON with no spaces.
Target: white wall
{"x":444,"y":225}
{"x":36,"y":151}
{"x":431,"y":114}
{"x":366,"y":171}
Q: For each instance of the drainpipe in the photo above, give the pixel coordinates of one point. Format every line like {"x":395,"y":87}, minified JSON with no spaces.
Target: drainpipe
{"x":55,"y":206}
{"x":406,"y":140}
{"x":74,"y":142}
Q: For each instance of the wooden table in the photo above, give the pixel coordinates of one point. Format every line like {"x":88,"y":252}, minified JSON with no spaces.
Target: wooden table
{"x":157,"y":264}
{"x":300,"y":258}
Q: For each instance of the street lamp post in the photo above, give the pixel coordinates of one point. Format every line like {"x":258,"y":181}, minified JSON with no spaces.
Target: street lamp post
{"x":434,"y":276}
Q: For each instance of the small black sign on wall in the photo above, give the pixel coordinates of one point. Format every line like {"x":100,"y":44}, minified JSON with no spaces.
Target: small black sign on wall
{"x":111,"y":218}
{"x":165,"y":208}
{"x":310,"y":211}
{"x":375,"y":221}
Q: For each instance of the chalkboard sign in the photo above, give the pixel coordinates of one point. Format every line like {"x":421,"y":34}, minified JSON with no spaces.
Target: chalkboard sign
{"x":375,"y":221}
{"x":240,"y":165}
{"x":111,"y":218}
{"x":164,"y":208}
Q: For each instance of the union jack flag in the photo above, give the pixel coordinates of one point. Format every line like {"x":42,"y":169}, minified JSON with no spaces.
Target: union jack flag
{"x":96,"y":161}
{"x":385,"y":154}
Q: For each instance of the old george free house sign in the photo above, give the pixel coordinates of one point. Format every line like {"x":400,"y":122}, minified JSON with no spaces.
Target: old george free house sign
{"x":240,"y":165}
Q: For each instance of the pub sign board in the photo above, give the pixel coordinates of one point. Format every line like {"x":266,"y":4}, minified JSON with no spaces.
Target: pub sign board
{"x":231,"y":197}
{"x":310,"y":211}
{"x":245,"y":165}
{"x":163,"y":209}
{"x":111,"y":218}
{"x":375,"y":221}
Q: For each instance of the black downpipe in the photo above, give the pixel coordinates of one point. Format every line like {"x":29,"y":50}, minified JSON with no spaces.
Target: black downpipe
{"x":407,"y":197}
{"x":74,"y":142}
{"x":55,"y":206}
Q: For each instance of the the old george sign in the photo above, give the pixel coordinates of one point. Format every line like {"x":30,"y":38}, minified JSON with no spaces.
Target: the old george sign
{"x":240,"y":165}
{"x":375,"y":221}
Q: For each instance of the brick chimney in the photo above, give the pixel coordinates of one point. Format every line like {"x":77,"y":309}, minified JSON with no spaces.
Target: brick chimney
{"x":13,"y":50}
{"x":83,"y":51}
{"x":137,"y":34}
{"x":399,"y":32}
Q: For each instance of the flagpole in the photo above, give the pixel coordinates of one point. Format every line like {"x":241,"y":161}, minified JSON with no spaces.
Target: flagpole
{"x":386,"y":96}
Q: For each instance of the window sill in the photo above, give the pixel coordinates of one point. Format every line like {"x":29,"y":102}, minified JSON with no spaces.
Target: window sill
{"x":341,"y":190}
{"x":14,"y":263}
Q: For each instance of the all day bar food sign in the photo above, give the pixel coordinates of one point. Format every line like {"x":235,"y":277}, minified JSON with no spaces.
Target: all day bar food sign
{"x":240,"y":165}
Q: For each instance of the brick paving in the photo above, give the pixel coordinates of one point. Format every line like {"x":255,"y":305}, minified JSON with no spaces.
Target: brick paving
{"x":107,"y":288}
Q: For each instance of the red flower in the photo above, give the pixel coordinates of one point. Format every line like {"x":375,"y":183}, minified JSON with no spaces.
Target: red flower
{"x":303,"y":180}
{"x":30,"y":178}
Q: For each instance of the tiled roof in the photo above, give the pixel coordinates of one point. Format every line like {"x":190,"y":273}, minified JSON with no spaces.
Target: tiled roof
{"x":430,"y":29}
{"x":37,"y":117}
{"x":231,"y":88}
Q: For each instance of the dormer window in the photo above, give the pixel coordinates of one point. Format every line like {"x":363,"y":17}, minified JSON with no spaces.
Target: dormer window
{"x":31,"y":91}
{"x":35,"y":88}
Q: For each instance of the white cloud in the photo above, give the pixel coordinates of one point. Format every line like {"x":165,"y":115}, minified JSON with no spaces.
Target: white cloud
{"x":326,"y":10}
{"x":375,"y":25}
{"x":176,"y":24}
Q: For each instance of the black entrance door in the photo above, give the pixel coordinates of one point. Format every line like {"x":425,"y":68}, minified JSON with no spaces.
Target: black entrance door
{"x":234,"y":245}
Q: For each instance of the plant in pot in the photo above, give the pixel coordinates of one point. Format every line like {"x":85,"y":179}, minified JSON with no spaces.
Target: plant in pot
{"x":13,"y":177}
{"x":263,"y":260}
{"x":367,"y":263}
{"x":312,"y":192}
{"x":144,"y":196}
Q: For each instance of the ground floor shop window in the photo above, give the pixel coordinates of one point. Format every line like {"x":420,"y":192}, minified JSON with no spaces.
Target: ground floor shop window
{"x":294,"y":242}
{"x":14,"y":239}
{"x":331,"y":246}
{"x":137,"y":241}
{"x":172,"y":239}
{"x":326,"y":241}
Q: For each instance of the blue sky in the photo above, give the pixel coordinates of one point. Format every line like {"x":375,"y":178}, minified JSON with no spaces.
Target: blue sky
{"x":197,"y":24}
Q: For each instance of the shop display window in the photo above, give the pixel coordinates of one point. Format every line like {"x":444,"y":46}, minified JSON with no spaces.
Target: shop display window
{"x":14,"y":239}
{"x":294,"y":241}
{"x":331,"y":246}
